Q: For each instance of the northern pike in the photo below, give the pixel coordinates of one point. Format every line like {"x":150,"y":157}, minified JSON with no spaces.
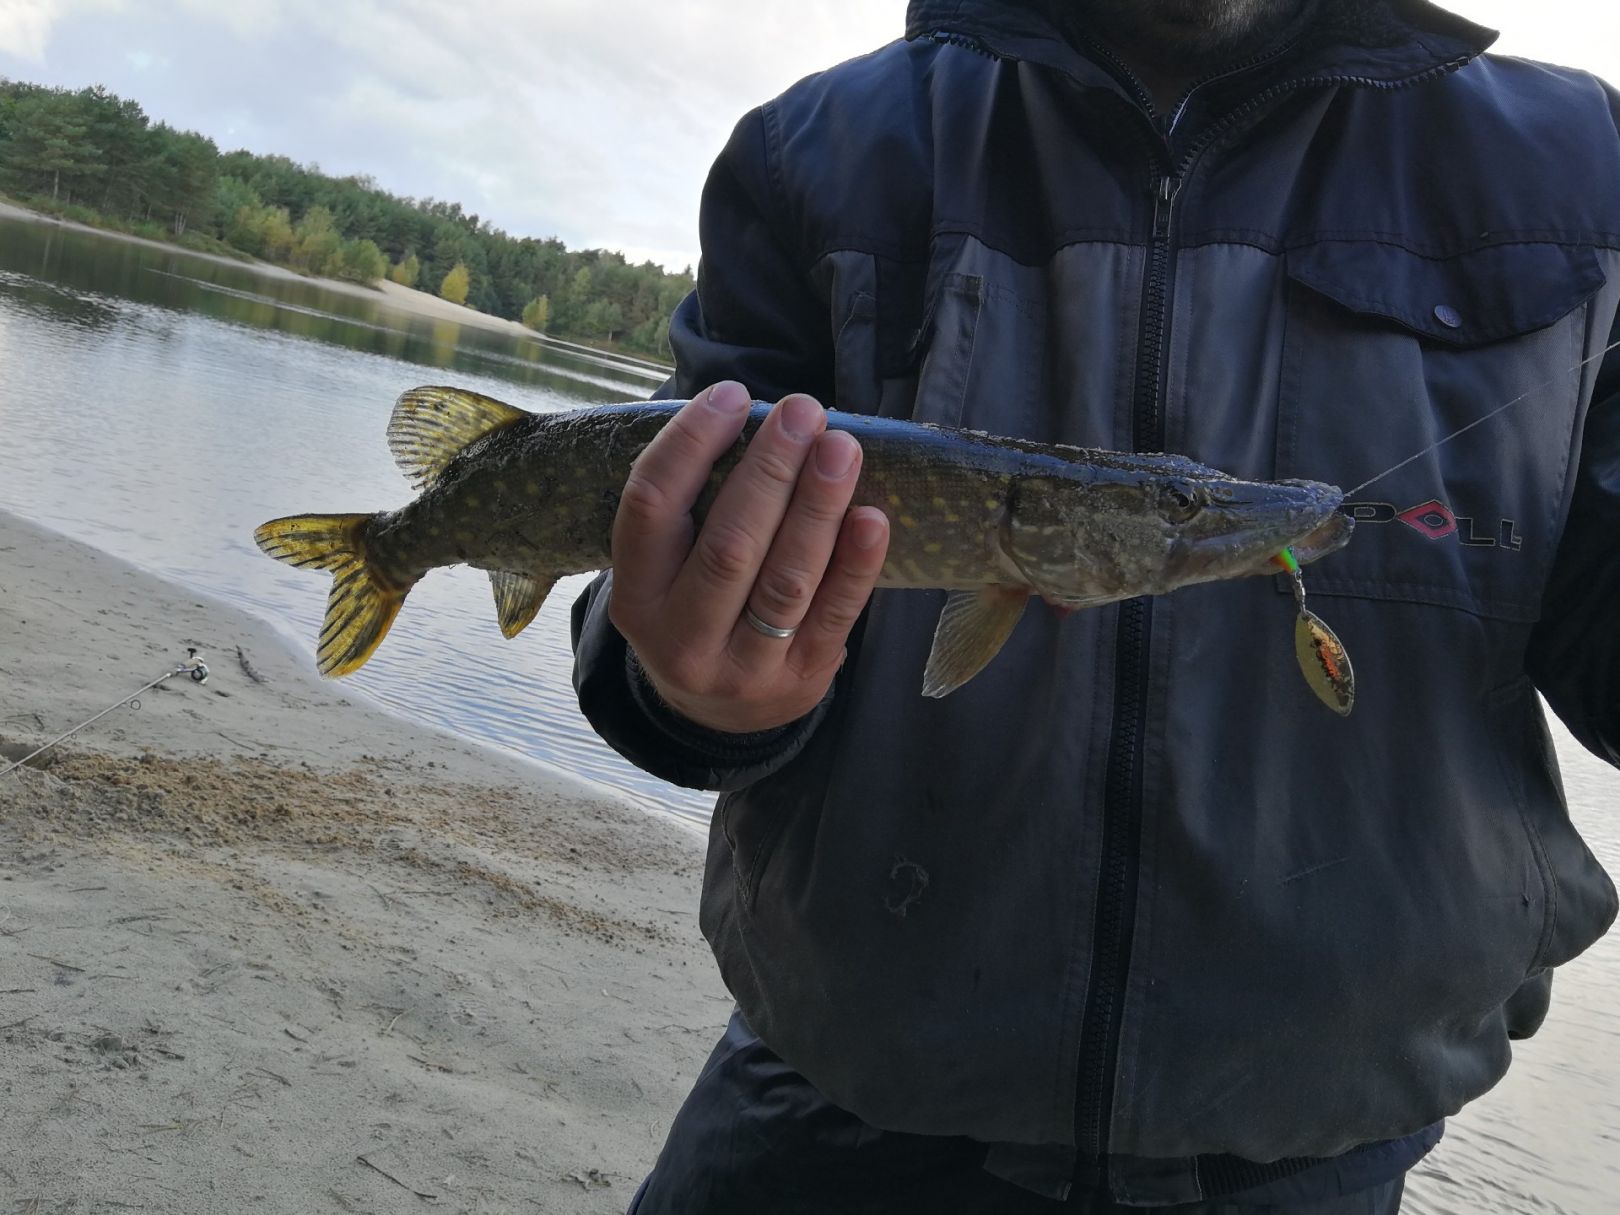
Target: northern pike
{"x":532,"y":497}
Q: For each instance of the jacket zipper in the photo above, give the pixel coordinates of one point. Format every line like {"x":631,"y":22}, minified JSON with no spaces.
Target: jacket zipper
{"x":1122,"y":796}
{"x":1115,"y":917}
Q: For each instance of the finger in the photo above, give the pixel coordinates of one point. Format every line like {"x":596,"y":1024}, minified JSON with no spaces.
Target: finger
{"x":803,"y":545}
{"x":712,"y":587}
{"x":857,"y":562}
{"x":652,"y":529}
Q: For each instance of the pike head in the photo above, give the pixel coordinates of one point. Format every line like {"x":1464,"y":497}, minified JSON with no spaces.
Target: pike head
{"x":1110,"y":526}
{"x":1129,"y":525}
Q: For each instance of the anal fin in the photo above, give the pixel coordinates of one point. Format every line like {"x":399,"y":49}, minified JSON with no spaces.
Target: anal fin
{"x":971,"y":631}
{"x":518,"y":598}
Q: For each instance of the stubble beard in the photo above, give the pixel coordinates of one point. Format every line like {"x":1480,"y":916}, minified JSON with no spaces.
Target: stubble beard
{"x":1189,"y":35}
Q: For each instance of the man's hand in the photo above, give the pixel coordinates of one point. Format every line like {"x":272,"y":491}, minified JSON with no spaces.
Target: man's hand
{"x":777,"y":542}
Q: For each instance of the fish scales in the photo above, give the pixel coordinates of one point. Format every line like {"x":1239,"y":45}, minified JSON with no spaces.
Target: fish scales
{"x":994,"y":520}
{"x":542,"y":494}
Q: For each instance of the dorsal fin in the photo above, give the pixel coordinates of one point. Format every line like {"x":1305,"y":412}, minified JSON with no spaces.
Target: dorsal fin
{"x":431,"y":425}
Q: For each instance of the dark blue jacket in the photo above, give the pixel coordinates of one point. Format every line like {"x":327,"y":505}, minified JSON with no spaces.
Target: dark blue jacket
{"x":1132,"y":890}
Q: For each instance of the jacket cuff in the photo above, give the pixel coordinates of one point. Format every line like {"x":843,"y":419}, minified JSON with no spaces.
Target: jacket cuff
{"x":708,"y":748}
{"x":622,"y":707}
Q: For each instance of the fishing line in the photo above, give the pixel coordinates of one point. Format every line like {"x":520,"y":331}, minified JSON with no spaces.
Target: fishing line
{"x":193,"y":666}
{"x":1481,"y":421}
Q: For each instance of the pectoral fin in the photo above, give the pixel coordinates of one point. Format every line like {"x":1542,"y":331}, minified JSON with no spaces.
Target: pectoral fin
{"x":972,"y":629}
{"x":517,"y":598}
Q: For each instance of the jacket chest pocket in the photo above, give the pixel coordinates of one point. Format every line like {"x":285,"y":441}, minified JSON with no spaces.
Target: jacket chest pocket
{"x":1390,"y":357}
{"x":976,"y":361}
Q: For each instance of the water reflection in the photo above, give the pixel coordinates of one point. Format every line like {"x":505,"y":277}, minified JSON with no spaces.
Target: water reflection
{"x":172,"y":403}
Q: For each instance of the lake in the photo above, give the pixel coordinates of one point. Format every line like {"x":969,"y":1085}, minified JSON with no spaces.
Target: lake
{"x":159,"y":405}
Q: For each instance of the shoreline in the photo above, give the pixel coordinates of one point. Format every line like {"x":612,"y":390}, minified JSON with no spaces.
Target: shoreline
{"x":282,"y":945}
{"x":405,"y":299}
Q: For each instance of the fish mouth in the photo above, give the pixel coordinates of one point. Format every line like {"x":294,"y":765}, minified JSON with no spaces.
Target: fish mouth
{"x":1332,"y":535}
{"x":1254,"y":521}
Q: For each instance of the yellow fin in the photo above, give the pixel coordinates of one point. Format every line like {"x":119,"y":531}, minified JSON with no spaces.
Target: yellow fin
{"x":432,"y":425}
{"x":972,"y":629}
{"x":517,"y":598}
{"x":362,"y":604}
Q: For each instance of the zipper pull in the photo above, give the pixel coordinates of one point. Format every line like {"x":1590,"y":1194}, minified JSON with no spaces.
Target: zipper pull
{"x":1165,"y":190}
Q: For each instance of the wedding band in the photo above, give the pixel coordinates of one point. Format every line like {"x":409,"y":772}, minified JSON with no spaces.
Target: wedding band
{"x":769,"y":630}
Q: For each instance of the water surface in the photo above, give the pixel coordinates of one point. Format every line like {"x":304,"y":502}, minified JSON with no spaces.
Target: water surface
{"x":159,"y":406}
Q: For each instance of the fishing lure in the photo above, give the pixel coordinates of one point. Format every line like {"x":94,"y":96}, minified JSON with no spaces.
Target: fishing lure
{"x":1321,"y":654}
{"x":1322,"y":657}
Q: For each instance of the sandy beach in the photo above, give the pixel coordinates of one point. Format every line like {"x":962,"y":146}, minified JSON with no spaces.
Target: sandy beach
{"x":264,"y":947}
{"x":406,"y":299}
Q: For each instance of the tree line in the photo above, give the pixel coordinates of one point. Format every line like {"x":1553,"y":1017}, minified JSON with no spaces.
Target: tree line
{"x":89,"y":154}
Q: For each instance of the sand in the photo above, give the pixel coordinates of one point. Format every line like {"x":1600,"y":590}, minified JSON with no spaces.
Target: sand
{"x":264,"y":947}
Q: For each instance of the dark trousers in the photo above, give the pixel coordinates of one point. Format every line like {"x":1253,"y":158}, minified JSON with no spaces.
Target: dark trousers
{"x":754,"y":1138}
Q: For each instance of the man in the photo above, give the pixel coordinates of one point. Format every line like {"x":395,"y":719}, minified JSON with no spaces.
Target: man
{"x":1130,"y":921}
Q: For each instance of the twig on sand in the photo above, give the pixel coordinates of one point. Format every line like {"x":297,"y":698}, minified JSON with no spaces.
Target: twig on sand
{"x":250,"y":746}
{"x":247,"y":667}
{"x":54,"y":962}
{"x":433,"y":1065}
{"x":401,"y":1184}
{"x":14,"y":1024}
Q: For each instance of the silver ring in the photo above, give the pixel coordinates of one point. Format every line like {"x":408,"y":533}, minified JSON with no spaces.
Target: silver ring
{"x":768,"y":630}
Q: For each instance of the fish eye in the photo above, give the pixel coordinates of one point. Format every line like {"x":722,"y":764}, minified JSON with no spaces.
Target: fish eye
{"x":1179,"y":502}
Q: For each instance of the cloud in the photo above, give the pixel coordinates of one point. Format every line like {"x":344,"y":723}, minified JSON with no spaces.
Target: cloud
{"x":25,"y":25}
{"x":594,"y":122}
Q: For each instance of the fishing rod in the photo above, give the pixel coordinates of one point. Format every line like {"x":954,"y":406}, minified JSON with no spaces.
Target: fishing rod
{"x":192,"y":666}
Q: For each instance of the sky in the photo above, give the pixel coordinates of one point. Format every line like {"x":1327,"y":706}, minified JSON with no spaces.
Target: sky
{"x":594,"y":121}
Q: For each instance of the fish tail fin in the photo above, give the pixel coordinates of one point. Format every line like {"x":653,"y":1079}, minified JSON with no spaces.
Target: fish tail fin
{"x":363,"y":602}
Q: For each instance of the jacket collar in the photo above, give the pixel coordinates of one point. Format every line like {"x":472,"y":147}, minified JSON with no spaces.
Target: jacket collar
{"x":1378,"y":42}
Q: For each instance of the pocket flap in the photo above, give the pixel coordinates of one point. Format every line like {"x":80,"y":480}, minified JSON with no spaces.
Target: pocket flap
{"x":1465,"y":300}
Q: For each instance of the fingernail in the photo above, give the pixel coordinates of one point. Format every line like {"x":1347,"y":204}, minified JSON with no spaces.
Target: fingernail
{"x":835,"y":454}
{"x":868,"y":532}
{"x":801,"y":417}
{"x":728,"y":398}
